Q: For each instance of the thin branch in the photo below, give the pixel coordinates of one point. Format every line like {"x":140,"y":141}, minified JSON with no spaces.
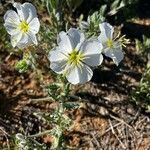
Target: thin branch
{"x":96,"y":142}
{"x":39,"y":134}
{"x":112,"y":129}
{"x":5,"y":134}
{"x":46,"y":99}
{"x":120,"y":120}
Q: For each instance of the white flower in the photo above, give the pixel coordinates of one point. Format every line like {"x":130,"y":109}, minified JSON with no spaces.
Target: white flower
{"x":111,"y":48}
{"x":74,"y":55}
{"x":22,"y":25}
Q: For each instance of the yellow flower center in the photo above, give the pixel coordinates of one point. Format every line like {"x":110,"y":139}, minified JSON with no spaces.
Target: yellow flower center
{"x":109,"y":43}
{"x":24,"y":27}
{"x":75,"y":58}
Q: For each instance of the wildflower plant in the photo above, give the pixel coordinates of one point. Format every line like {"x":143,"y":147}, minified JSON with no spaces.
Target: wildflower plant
{"x":141,"y":96}
{"x":22,"y":25}
{"x":73,"y":59}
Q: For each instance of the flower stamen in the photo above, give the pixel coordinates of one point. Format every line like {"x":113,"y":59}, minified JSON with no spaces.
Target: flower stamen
{"x":110,"y":43}
{"x":24,"y":27}
{"x":75,"y":58}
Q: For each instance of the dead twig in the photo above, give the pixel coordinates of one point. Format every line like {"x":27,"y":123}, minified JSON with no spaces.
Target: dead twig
{"x":6,"y":136}
{"x":113,"y":132}
{"x":122,"y":121}
{"x":96,"y":142}
{"x":139,"y":143}
{"x":40,"y":134}
{"x":110,"y":128}
{"x":46,"y":99}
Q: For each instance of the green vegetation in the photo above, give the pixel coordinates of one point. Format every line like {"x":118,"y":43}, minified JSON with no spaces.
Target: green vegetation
{"x":56,"y":16}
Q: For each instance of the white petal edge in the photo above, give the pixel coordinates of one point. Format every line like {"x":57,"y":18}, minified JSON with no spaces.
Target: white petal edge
{"x":11,"y":19}
{"x":79,"y":75}
{"x":118,"y":57}
{"x":25,"y":41}
{"x":90,"y":47}
{"x":116,"y":54}
{"x":20,"y":11}
{"x":58,"y":67}
{"x":106,"y":29}
{"x":15,"y":38}
{"x":31,"y":10}
{"x":56,"y":55}
{"x":94,"y":60}
{"x":65,"y":43}
{"x":26,"y":11}
{"x":91,"y":50}
{"x":102,"y":38}
{"x":57,"y":60}
{"x":34,"y":25}
{"x":76,"y":36}
{"x":12,"y":29}
{"x":32,"y":37}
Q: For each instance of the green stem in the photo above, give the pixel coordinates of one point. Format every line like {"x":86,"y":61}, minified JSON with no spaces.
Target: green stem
{"x":39,"y":134}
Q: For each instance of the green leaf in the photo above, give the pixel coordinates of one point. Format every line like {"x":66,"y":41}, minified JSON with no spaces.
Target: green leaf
{"x":74,"y":4}
{"x":22,"y":66}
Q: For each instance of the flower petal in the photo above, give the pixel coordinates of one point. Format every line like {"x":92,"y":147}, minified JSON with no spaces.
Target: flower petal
{"x":27,"y":39}
{"x":76,"y":36}
{"x":32,"y":37}
{"x":11,"y":17}
{"x":11,"y":22}
{"x":82,"y":74}
{"x":106,"y":32}
{"x":11,"y":28}
{"x":32,"y":13}
{"x":91,"y":46}
{"x":65,"y":42}
{"x":116,"y":54}
{"x":107,"y":29}
{"x":34,"y":25}
{"x":91,"y":50}
{"x":15,"y":38}
{"x":26,"y":11}
{"x":94,"y":60}
{"x":102,"y":38}
{"x":58,"y":67}
{"x":20,"y":11}
{"x":58,"y":60}
{"x":56,"y":55}
{"x":24,"y":41}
